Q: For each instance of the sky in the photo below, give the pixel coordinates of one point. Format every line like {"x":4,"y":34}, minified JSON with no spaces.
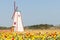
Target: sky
{"x":33,"y":12}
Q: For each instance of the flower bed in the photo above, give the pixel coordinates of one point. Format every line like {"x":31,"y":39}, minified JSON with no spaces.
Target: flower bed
{"x":29,"y":36}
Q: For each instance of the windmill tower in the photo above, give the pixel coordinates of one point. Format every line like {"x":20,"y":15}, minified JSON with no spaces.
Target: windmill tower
{"x":17,"y":20}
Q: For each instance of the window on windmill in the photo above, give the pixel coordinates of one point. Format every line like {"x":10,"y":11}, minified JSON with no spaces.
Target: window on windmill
{"x":14,"y":23}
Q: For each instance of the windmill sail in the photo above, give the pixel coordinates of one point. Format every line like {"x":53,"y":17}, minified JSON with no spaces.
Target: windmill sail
{"x":15,"y":9}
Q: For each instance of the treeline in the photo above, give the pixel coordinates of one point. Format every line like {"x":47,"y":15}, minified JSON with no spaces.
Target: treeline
{"x":40,"y":26}
{"x":3,"y":27}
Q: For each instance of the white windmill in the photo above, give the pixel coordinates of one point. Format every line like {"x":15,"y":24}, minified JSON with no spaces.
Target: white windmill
{"x":17,"y":20}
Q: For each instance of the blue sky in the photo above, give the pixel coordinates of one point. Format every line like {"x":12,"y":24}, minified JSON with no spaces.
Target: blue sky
{"x":33,"y":12}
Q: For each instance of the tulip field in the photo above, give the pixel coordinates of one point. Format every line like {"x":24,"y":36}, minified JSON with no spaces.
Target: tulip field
{"x":30,"y":35}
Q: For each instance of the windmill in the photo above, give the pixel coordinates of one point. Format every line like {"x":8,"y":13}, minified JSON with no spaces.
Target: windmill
{"x":17,"y":20}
